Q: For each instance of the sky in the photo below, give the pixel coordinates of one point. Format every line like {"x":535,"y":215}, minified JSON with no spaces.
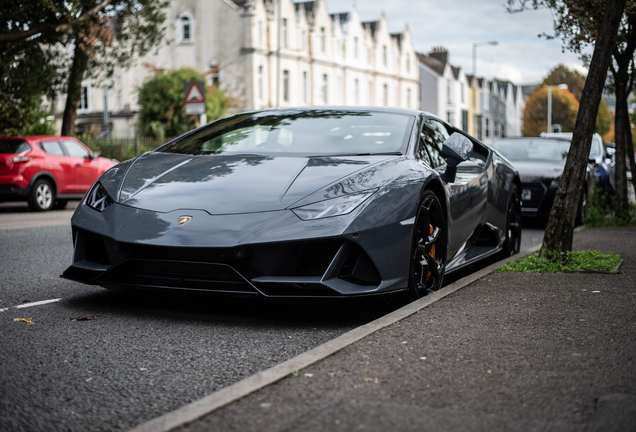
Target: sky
{"x":520,"y":55}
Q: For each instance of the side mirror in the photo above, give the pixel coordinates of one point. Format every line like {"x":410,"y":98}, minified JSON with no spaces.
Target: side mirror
{"x":96,"y":154}
{"x":456,"y":150}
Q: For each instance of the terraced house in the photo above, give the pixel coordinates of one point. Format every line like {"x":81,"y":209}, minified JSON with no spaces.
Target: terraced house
{"x":265,"y":53}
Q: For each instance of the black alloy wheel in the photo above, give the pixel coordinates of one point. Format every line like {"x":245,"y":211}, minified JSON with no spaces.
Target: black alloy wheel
{"x":512,"y":244}
{"x":428,"y":258}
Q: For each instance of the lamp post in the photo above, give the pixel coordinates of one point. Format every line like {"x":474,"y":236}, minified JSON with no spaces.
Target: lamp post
{"x":561,"y":86}
{"x":475,"y":45}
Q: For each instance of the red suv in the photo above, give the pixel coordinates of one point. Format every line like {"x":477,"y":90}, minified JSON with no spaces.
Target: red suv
{"x":47,"y":171}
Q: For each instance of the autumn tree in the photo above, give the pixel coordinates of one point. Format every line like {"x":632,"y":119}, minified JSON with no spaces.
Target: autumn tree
{"x":95,"y":36}
{"x":575,"y":82}
{"x":161,"y":100}
{"x":559,"y":231}
{"x":535,"y":114}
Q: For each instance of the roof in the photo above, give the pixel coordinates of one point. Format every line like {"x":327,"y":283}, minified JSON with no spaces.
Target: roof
{"x":455,"y":71}
{"x":371,"y":25}
{"x":433,"y":63}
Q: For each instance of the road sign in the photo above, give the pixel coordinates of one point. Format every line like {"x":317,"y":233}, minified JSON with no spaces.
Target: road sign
{"x":194,"y":102}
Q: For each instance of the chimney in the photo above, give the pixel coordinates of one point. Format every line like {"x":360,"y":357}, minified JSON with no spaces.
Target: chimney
{"x":439,"y":53}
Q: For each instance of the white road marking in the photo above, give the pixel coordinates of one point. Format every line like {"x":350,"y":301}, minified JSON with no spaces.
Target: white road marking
{"x":5,"y":309}
{"x":38,"y":303}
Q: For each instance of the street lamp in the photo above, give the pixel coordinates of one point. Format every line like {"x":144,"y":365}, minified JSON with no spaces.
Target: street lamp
{"x":562,"y":87}
{"x":475,"y":45}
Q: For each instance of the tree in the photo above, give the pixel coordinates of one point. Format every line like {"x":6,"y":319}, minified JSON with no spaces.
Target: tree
{"x":535,"y":114}
{"x":560,"y":228}
{"x":161,"y":100}
{"x":575,"y":82}
{"x":97,"y":35}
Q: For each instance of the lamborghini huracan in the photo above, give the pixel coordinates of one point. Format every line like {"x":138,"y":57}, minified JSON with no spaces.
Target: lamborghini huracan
{"x":302,"y":202}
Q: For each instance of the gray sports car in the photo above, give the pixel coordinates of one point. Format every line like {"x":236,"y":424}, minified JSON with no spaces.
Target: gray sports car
{"x":304,"y":202}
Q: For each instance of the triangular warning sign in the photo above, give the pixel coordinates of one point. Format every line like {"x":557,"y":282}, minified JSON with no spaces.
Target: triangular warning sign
{"x":194,"y":94}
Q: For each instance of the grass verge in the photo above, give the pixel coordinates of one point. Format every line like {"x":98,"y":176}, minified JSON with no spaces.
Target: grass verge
{"x":580,"y":261}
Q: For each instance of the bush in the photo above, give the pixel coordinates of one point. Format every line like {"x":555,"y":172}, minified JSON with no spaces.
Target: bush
{"x":121,"y":148}
{"x":601,"y":212}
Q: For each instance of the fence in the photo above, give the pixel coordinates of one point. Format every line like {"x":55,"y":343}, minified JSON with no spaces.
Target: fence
{"x":122,"y":148}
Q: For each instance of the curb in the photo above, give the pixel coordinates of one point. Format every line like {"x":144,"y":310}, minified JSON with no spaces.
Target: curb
{"x":195,"y":410}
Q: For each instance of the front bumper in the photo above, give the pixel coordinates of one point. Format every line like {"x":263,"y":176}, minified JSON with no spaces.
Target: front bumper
{"x":271,"y":254}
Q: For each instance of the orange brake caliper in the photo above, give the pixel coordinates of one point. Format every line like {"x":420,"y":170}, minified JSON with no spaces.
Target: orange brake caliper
{"x":428,"y":276}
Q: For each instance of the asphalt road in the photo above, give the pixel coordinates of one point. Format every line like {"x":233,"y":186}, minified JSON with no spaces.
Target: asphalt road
{"x":91,"y":359}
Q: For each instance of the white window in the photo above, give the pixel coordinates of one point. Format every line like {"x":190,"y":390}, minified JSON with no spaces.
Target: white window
{"x":323,"y":40}
{"x":385,"y":100}
{"x":325,"y":88}
{"x":186,"y":28}
{"x":260,"y":82}
{"x":285,"y":86}
{"x":408,"y":62}
{"x":408,"y":98}
{"x":448,"y":91}
{"x":462,"y":84}
{"x":340,"y":89}
{"x":284,"y":33}
{"x":83,"y":105}
{"x":384,"y":56}
{"x":305,"y":88}
{"x":356,"y":91}
{"x":303,"y":40}
{"x":355,"y":47}
{"x":260,"y":32}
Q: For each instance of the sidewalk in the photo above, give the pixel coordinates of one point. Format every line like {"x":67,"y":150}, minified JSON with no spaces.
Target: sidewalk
{"x":509,"y":352}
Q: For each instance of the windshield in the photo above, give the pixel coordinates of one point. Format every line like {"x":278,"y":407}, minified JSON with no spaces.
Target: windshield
{"x":533,"y":149}
{"x":14,"y":146}
{"x":310,"y":131}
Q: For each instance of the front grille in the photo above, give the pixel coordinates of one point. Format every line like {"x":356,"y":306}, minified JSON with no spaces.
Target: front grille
{"x":293,"y":269}
{"x":180,"y":275}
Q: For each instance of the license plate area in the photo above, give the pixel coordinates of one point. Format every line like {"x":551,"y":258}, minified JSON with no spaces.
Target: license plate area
{"x":526,"y":195}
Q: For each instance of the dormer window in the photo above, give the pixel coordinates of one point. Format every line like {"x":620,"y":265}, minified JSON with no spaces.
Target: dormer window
{"x":185,"y":28}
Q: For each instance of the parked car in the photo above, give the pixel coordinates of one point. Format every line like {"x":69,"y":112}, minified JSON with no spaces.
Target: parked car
{"x":599,"y":159}
{"x":47,"y":171}
{"x":300,"y":202}
{"x":540,"y":162}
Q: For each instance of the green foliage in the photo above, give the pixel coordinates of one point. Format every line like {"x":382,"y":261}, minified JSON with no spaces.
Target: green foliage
{"x":602,"y":212}
{"x":35,"y":37}
{"x":575,"y":82}
{"x":583,"y":261}
{"x":535,"y":114}
{"x":26,"y":117}
{"x":161,"y":100}
{"x":121,"y":149}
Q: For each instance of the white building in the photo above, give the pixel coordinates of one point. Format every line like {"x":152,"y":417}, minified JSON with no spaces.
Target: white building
{"x":324,"y":59}
{"x":496,"y":106}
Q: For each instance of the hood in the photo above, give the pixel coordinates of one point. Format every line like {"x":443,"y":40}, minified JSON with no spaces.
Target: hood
{"x":231,"y":184}
{"x":538,"y":169}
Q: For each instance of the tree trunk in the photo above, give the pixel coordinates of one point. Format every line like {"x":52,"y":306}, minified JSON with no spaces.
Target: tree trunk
{"x":560,"y":229}
{"x":74,"y":88}
{"x":621,"y":125}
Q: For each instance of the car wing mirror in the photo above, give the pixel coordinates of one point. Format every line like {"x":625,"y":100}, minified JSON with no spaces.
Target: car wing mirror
{"x":456,"y":150}
{"x":96,"y":154}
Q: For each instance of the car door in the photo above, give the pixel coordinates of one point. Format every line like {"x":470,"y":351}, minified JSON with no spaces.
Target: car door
{"x":86,"y":168}
{"x":59,"y":165}
{"x":468,"y":192}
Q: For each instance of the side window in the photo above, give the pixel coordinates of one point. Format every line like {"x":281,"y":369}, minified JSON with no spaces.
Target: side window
{"x":52,"y":147}
{"x":432,"y":137}
{"x":76,"y":150}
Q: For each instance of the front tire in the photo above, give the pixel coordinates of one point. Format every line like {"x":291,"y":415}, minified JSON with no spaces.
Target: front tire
{"x":512,"y":243}
{"x":428,"y":254}
{"x":41,"y":197}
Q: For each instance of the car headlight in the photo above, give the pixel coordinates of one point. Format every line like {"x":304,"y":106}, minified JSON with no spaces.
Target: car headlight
{"x":554,"y":184}
{"x":332,"y":207}
{"x":98,"y":199}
